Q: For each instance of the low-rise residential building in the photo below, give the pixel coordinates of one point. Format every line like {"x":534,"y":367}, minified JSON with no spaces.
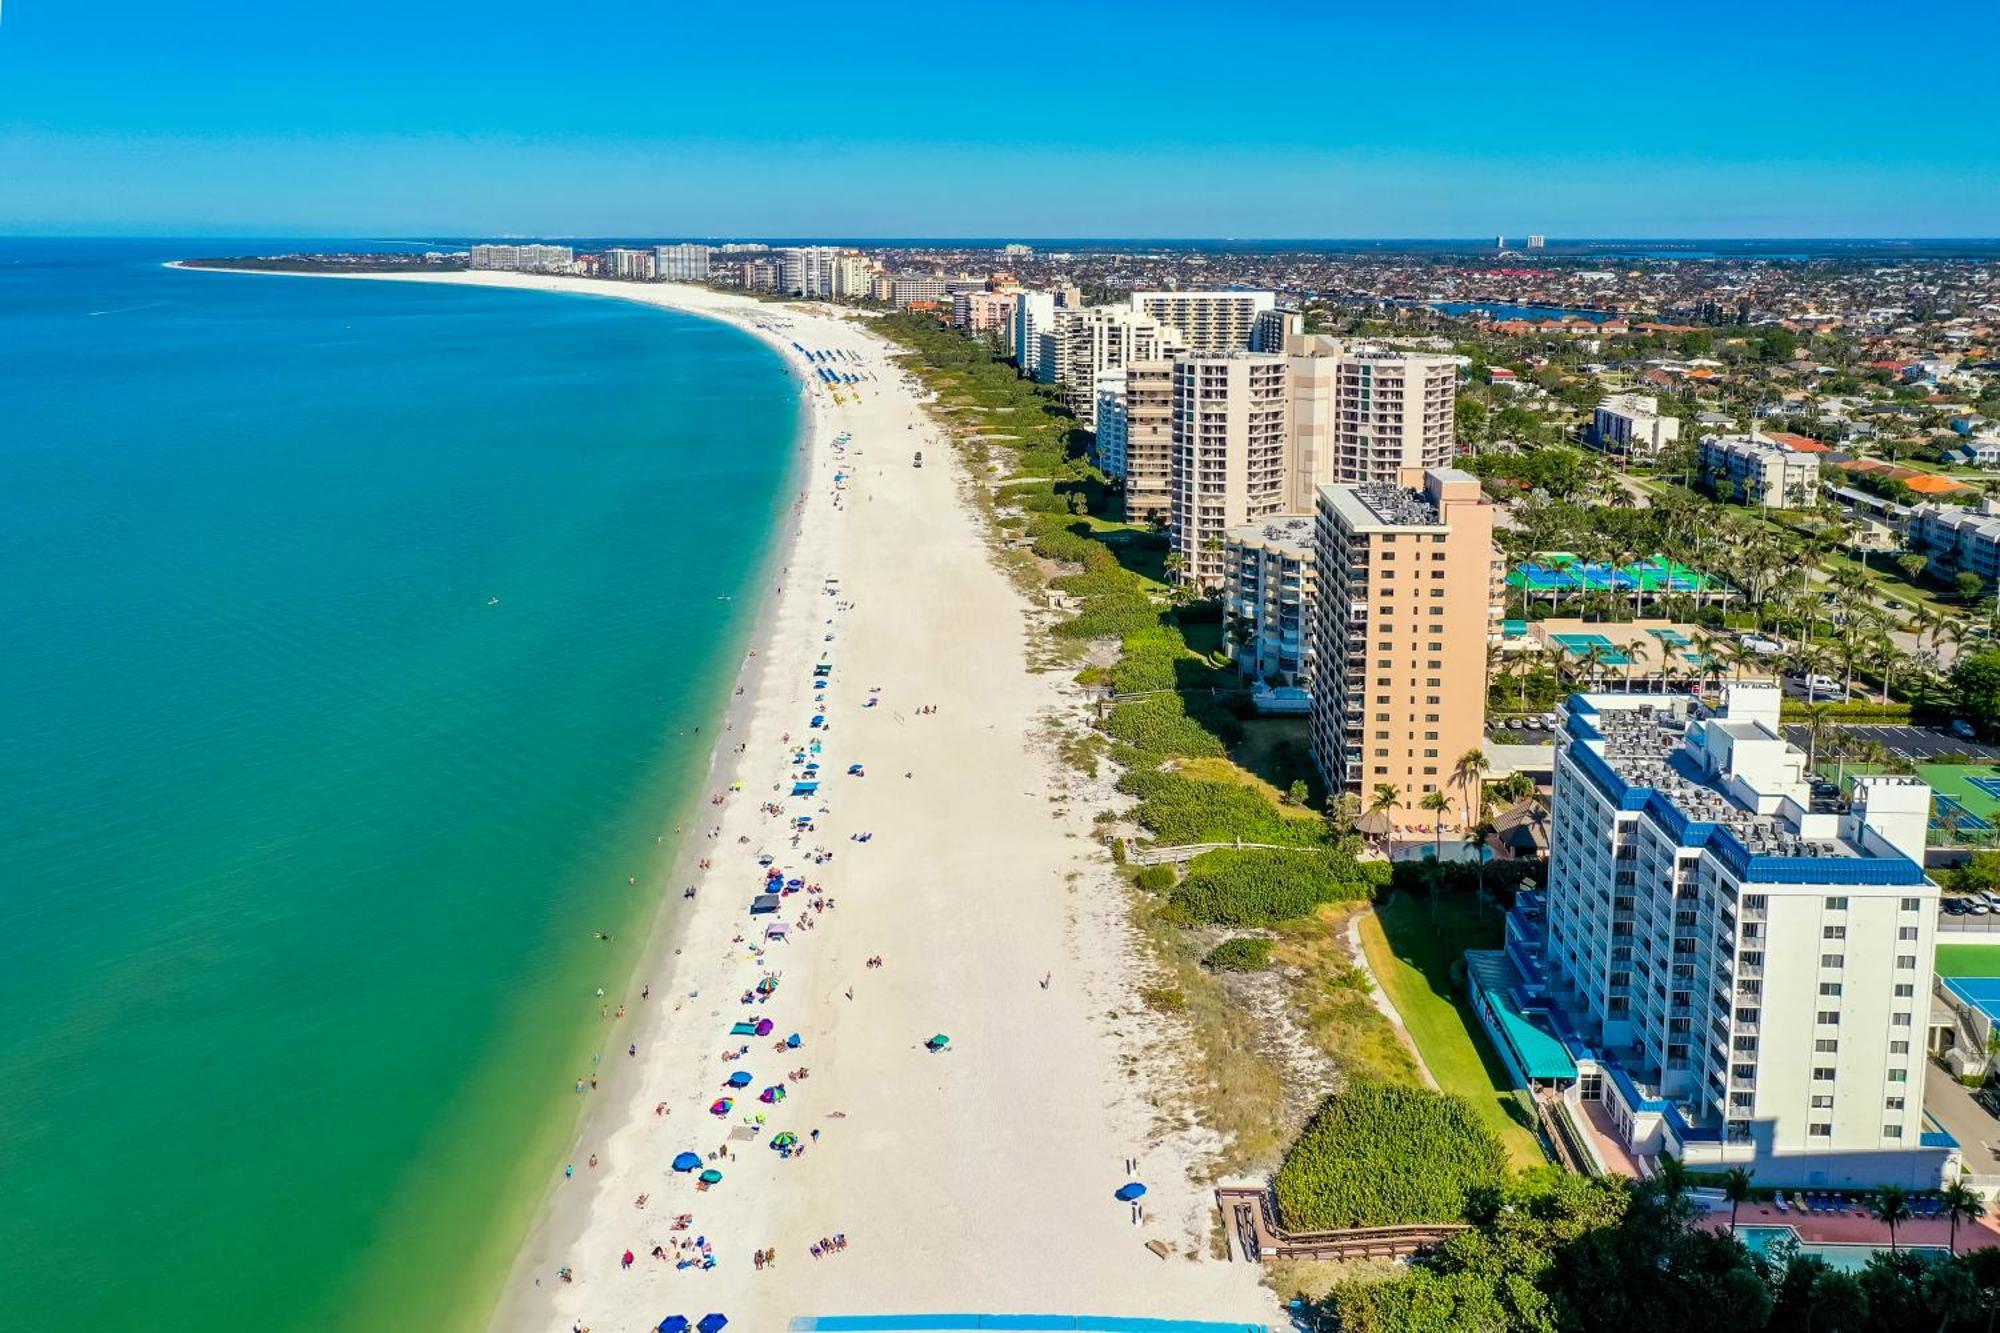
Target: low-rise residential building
{"x":1760,"y":471}
{"x":1629,"y":427}
{"x":1730,"y":964}
{"x":1267,"y":591}
{"x":1962,"y":539}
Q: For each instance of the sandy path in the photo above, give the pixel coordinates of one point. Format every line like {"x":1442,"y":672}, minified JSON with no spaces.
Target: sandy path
{"x":978,"y":1180}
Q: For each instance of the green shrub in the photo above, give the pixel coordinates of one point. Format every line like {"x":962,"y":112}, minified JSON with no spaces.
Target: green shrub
{"x":1156,"y":879}
{"x":1164,"y":724}
{"x":1062,"y":544}
{"x":1111,"y":617}
{"x":1378,"y":1155}
{"x":1178,"y":810}
{"x":1262,"y":888}
{"x":1245,"y":953}
{"x":1858,"y":710}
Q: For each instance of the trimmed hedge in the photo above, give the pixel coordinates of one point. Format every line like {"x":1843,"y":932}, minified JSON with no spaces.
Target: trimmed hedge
{"x":1245,"y":953}
{"x":1860,"y":710}
{"x":1380,"y":1155}
{"x":1262,"y":888}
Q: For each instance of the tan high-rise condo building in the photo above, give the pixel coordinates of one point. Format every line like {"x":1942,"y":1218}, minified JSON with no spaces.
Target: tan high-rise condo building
{"x":1147,"y":436}
{"x":1230,"y":439}
{"x":1362,"y":413}
{"x":1406,"y":577}
{"x":1210,"y":321}
{"x":1098,"y":339}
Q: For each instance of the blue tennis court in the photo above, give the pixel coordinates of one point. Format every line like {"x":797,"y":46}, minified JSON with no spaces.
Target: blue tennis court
{"x":1991,"y":786}
{"x":1967,"y":821}
{"x":1982,"y":993}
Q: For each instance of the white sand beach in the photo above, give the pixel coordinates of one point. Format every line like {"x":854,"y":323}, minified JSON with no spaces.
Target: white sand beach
{"x":976,"y":1179}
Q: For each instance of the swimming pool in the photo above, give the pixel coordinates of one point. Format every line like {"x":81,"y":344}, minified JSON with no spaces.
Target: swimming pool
{"x":1849,"y":1258}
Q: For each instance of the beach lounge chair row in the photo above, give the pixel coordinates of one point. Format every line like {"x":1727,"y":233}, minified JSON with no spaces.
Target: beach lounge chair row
{"x":1817,"y":1202}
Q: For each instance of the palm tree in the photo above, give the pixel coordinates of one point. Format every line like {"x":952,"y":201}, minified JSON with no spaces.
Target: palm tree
{"x":1819,"y":725}
{"x":1439,"y":805}
{"x":1470,"y":770}
{"x":1670,"y":1178}
{"x":1961,"y":1204}
{"x":1634,"y":653}
{"x":1892,"y":1205}
{"x":1736,"y":1189}
{"x":1385,"y":801}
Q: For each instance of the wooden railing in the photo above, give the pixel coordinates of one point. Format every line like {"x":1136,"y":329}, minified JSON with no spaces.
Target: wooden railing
{"x":1255,"y":1236}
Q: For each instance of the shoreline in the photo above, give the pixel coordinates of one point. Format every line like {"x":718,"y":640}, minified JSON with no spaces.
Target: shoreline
{"x":999,"y":919}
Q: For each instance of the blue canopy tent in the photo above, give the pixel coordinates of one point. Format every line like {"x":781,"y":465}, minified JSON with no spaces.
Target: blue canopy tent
{"x":763,"y":903}
{"x":1129,"y":1193}
{"x":804,"y":788}
{"x":674,"y":1323}
{"x":687,"y":1161}
{"x":740,"y":1079}
{"x":712,"y":1323}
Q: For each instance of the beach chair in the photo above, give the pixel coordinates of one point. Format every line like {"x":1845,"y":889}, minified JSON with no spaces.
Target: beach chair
{"x":1799,"y":1200}
{"x":1779,"y":1199}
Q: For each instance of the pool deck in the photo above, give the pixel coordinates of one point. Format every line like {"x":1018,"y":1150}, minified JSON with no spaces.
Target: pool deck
{"x":1847,"y":1229}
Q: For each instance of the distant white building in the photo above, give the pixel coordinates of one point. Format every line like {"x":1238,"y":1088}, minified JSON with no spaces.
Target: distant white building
{"x":1763,"y":472}
{"x":1110,"y":442}
{"x":524,"y":258}
{"x":1034,"y":315}
{"x":1629,"y":427}
{"x":681,"y":263}
{"x":631,"y":265}
{"x":1210,"y":321}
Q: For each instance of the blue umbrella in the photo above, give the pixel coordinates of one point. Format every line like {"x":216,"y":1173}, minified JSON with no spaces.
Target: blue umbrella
{"x":674,"y":1323}
{"x":687,"y":1161}
{"x":712,"y":1322}
{"x":1127,"y":1193}
{"x":740,"y":1079}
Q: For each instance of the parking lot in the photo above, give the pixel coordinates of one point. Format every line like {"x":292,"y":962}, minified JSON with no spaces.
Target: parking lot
{"x":1918,"y":743}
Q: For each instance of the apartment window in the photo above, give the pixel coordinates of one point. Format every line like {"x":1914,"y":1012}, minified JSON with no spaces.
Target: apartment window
{"x":1833,"y":932}
{"x":1381,"y":754}
{"x":1826,"y":1046}
{"x":1743,"y":1071}
{"x":1754,"y":901}
{"x":1829,"y":988}
{"x":1899,"y":1020}
{"x":1381,"y":717}
{"x":1430,"y":786}
{"x":1824,"y":1074}
{"x":1822,"y":1102}
{"x":1913,"y":904}
{"x":1899,"y":1048}
{"x":1893,"y":1104}
{"x":1746,"y":1015}
{"x":1833,"y":960}
{"x":1899,"y":1076}
{"x":1382,"y":698}
{"x":1429,"y":699}
{"x":1906,"y":932}
{"x":1821,"y":1129}
{"x":1430,"y":754}
{"x":1904,"y":990}
{"x":1430,"y":717}
{"x":1892,"y":1131}
{"x":1830,"y":1016}
{"x":1836,"y":904}
{"x":1906,"y":961}
{"x":1433,"y":682}
{"x":1381,"y":735}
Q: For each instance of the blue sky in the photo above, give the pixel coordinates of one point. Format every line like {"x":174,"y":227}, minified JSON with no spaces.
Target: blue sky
{"x":1752,"y":118}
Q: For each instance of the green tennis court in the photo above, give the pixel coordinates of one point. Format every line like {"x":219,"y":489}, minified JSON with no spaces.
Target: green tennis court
{"x":1968,"y":960}
{"x":1966,"y":790}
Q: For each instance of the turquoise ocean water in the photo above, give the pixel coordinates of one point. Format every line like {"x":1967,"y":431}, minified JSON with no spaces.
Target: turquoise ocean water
{"x":303,"y":835}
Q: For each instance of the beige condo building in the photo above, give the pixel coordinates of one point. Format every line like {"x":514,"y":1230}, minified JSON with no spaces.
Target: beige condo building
{"x":1210,"y":321}
{"x":1230,"y":437}
{"x":1099,"y":339}
{"x":1362,"y":413}
{"x":1146,"y":433}
{"x":1406,"y":574}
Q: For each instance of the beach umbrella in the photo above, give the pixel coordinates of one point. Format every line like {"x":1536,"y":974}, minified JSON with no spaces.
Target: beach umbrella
{"x":711,"y":1177}
{"x":1374,"y":824}
{"x":764,"y":1025}
{"x":939,"y":1042}
{"x":740,"y":1079}
{"x":784,"y":1139}
{"x":793,"y":1041}
{"x":767,"y":985}
{"x":712,"y":1323}
{"x":674,"y":1323}
{"x":1134,"y":1190}
{"x":687,"y":1161}
{"x":773,"y":1094}
{"x":721,"y":1107}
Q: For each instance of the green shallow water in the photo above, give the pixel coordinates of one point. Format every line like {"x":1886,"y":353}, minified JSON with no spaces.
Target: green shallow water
{"x":304,"y":841}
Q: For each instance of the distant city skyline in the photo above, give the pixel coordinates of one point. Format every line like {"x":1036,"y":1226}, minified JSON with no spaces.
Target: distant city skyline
{"x":903,"y":120}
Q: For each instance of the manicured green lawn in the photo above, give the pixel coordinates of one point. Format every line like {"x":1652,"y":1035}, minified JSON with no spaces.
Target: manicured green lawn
{"x":1412,"y":958}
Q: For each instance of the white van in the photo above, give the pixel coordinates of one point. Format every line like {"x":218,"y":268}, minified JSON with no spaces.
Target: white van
{"x":1817,"y":685}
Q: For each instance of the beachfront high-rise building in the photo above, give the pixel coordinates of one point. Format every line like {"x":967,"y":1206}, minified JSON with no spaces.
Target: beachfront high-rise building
{"x":807,"y":270}
{"x":1098,"y":339}
{"x":1629,"y":427}
{"x":1273,"y":328}
{"x":909,"y":289}
{"x":1210,"y":321}
{"x":983,"y":312}
{"x":1740,"y":967}
{"x":760,"y":275}
{"x":1267,"y":591}
{"x":1408,"y":588}
{"x":1107,"y":447}
{"x":631,"y":265}
{"x":1362,"y":413}
{"x":850,"y":277}
{"x":1034,"y":315}
{"x":524,"y":258}
{"x":1147,"y":427}
{"x":1229,"y":432}
{"x":681,"y":263}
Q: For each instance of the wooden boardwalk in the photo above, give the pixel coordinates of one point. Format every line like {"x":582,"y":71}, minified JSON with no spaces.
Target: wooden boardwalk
{"x":1255,"y":1236}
